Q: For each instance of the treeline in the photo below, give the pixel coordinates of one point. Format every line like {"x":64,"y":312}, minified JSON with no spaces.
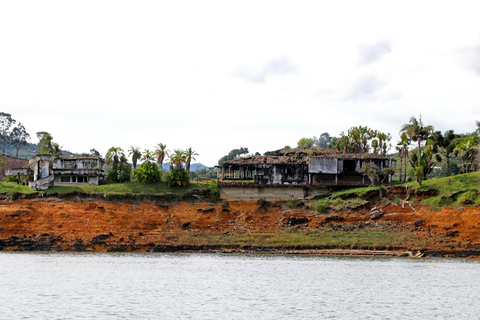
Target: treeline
{"x":151,"y":169}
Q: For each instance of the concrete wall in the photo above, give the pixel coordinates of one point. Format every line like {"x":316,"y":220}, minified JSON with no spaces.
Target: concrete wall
{"x":269,"y":194}
{"x":322,"y":165}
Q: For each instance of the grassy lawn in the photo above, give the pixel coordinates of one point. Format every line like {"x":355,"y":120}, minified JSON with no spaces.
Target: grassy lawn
{"x":460,"y":190}
{"x":114,"y":188}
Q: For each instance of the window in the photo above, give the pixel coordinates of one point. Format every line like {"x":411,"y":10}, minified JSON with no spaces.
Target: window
{"x":65,"y":179}
{"x":349,"y":166}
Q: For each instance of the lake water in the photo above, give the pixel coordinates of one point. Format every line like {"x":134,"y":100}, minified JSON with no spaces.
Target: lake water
{"x":222,"y":286}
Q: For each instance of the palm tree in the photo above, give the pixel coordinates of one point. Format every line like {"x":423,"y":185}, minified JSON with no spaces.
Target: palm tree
{"x":416,"y":130}
{"x":403,"y":145}
{"x":161,"y":152}
{"x":189,"y":154}
{"x":136,"y":154}
{"x":466,"y":149}
{"x":148,"y":156}
{"x":177,"y":158}
{"x":114,"y":155}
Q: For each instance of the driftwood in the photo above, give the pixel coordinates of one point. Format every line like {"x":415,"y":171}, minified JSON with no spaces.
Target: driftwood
{"x":377,"y":212}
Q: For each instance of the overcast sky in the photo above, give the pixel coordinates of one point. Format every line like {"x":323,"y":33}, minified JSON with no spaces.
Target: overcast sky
{"x":219,"y":75}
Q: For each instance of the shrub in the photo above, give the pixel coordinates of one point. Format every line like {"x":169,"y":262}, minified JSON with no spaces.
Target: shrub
{"x":148,"y":172}
{"x":178,"y":178}
{"x":214,"y":190}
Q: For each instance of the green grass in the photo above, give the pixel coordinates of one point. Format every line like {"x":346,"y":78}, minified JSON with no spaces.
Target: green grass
{"x":357,"y":192}
{"x":378,"y":238}
{"x":133,"y":187}
{"x":460,"y":190}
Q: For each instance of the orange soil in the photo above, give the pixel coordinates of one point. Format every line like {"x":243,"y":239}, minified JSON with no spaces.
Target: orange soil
{"x":147,"y":223}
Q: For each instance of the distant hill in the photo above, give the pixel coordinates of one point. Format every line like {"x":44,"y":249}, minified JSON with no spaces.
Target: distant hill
{"x":193,"y":166}
{"x":29,"y":151}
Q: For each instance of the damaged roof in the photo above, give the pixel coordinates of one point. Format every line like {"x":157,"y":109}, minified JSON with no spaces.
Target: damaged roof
{"x":299,"y":156}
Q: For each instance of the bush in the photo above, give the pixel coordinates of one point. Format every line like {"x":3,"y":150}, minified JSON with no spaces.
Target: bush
{"x":178,"y":178}
{"x":121,"y":173}
{"x":214,"y":190}
{"x":148,"y":172}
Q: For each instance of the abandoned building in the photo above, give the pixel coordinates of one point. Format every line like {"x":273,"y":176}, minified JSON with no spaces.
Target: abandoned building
{"x":310,"y":172}
{"x":47,"y":171}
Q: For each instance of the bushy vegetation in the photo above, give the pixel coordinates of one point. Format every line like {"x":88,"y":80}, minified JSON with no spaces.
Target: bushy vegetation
{"x":178,"y":178}
{"x":148,"y":172}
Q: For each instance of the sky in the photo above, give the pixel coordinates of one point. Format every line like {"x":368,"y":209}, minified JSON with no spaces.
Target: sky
{"x":219,"y":75}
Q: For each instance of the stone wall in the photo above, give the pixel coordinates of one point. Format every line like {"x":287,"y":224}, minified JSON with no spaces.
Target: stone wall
{"x":269,"y":194}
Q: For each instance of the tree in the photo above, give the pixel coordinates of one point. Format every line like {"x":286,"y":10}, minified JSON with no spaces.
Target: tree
{"x":95,"y":153}
{"x":135,"y":153}
{"x":121,"y":169}
{"x":467,"y":149}
{"x":402,"y":146}
{"x":113,"y":156}
{"x":189,"y":154}
{"x":161,"y":152}
{"x":177,"y":159}
{"x":235,"y":153}
{"x":419,"y":174}
{"x":19,"y":137}
{"x":445,"y":145}
{"x":56,"y":149}
{"x":370,"y":170}
{"x":45,"y":144}
{"x":417,"y":131}
{"x":305,"y":143}
{"x":6,"y":121}
{"x":324,"y":140}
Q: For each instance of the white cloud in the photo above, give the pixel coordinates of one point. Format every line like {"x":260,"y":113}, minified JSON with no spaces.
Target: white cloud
{"x":214,"y":76}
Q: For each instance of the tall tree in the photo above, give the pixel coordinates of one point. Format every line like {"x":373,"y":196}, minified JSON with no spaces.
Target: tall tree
{"x":177,"y":158}
{"x":467,"y":149}
{"x":113,"y":156}
{"x":6,"y":122}
{"x":445,"y":145}
{"x":417,"y":131}
{"x":135,"y":153}
{"x":189,"y":155}
{"x":148,"y":156}
{"x":45,"y":144}
{"x":403,"y":150}
{"x":161,"y":152}
{"x":19,"y":137}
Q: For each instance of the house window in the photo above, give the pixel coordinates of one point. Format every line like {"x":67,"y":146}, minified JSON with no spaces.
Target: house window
{"x":65,"y":179}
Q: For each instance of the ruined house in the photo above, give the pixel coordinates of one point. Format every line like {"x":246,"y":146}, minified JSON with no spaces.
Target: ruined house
{"x":310,"y":170}
{"x":47,"y":171}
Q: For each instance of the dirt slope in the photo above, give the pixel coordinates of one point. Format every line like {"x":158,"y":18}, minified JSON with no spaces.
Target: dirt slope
{"x":58,"y":224}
